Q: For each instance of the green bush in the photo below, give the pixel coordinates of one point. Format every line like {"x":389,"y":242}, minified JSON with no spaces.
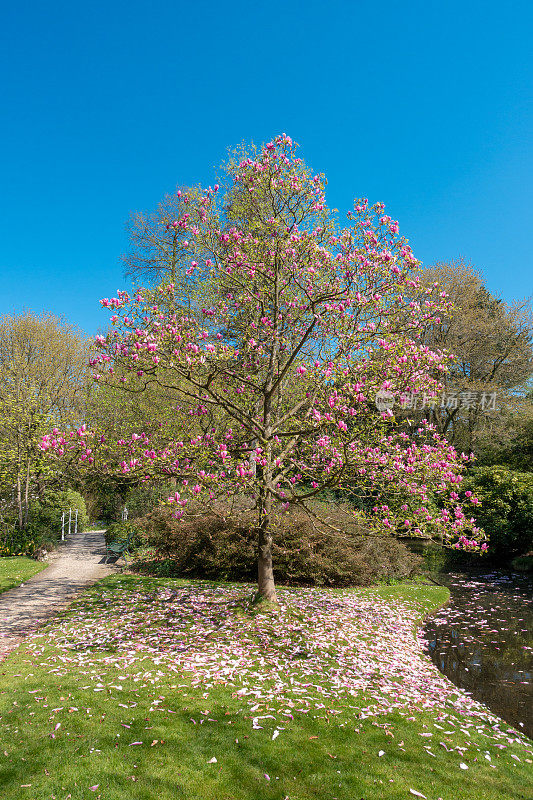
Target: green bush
{"x":119,"y":532}
{"x":221,"y":547}
{"x":43,"y":528}
{"x":15,"y":541}
{"x":523,"y":563}
{"x":506,"y":510}
{"x":46,"y":513}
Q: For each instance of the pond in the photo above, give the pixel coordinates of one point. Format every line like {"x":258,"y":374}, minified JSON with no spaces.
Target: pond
{"x":483,"y":642}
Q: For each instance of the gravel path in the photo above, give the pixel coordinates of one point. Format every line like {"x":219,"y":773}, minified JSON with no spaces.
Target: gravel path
{"x":74,"y":565}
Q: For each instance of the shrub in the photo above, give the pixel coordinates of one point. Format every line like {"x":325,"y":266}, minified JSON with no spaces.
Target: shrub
{"x":20,"y":542}
{"x":43,"y":529}
{"x":523,"y":563}
{"x":218,"y":546}
{"x":46,"y":514}
{"x":506,"y":511}
{"x":119,"y":532}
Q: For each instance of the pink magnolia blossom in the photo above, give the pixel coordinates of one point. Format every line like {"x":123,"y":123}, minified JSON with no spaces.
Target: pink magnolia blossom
{"x":281,"y":367}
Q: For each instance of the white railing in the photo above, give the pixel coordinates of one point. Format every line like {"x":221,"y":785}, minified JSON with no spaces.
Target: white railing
{"x":63,"y":521}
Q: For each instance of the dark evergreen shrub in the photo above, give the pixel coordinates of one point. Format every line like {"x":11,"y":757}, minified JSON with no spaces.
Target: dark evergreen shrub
{"x":506,"y":510}
{"x":218,"y":547}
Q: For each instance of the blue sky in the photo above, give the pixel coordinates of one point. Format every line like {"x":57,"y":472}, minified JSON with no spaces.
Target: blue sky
{"x":425,"y":106}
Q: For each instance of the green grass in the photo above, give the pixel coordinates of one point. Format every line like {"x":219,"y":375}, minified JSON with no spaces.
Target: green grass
{"x":17,"y":569}
{"x":73,"y":704}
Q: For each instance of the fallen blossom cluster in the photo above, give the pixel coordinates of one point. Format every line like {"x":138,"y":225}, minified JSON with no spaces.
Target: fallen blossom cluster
{"x":349,"y":657}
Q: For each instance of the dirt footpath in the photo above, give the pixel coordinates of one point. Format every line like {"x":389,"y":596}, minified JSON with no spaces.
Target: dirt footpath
{"x":74,"y":565}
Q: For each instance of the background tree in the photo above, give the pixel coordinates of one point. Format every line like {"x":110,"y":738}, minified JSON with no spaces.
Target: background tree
{"x":118,"y":414}
{"x":492,"y":342}
{"x":43,"y":374}
{"x":510,"y":441}
{"x":162,"y":242}
{"x":293,"y":329}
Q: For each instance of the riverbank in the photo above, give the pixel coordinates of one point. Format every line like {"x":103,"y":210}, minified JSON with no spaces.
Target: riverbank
{"x":188,"y":690}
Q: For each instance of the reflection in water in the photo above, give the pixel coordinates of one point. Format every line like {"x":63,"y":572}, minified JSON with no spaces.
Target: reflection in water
{"x":483,"y":641}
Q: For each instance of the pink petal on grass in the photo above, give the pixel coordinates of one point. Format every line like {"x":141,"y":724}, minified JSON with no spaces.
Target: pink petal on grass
{"x":94,"y":788}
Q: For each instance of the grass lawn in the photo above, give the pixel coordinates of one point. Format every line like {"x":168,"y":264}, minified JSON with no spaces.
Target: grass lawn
{"x":17,"y":569}
{"x":165,"y":689}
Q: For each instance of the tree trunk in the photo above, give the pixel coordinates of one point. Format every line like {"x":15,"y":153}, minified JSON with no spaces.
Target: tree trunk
{"x":265,"y":573}
{"x":27,"y":494}
{"x":19,"y":501}
{"x":19,"y":482}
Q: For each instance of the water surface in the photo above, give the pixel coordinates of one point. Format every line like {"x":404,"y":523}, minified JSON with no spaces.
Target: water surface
{"x":483,"y":641}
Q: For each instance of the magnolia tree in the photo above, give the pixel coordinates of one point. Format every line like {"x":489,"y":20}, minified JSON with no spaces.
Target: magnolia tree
{"x":296,"y":326}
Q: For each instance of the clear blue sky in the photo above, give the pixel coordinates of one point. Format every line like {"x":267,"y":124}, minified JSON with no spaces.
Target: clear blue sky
{"x":425,"y":106}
